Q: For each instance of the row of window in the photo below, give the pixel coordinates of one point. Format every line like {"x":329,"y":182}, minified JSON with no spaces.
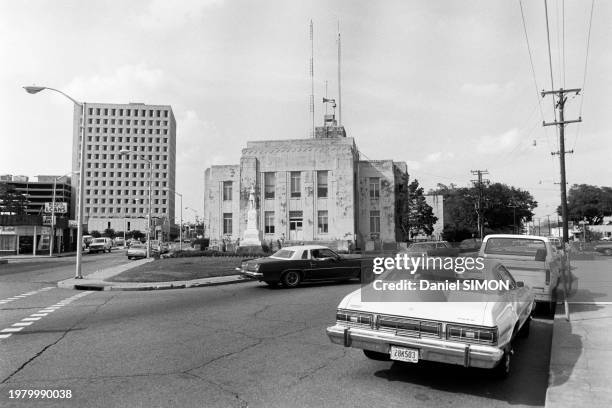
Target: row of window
{"x":127,"y":174}
{"x":135,"y":157}
{"x":134,"y":148}
{"x":128,"y":112}
{"x":125,"y":201}
{"x":128,"y":139}
{"x":127,"y":192}
{"x":119,"y":210}
{"x":296,"y":185}
{"x":127,"y":122}
{"x":322,"y":222}
{"x":128,"y":131}
{"x":125,"y":166}
{"x":111,"y":183}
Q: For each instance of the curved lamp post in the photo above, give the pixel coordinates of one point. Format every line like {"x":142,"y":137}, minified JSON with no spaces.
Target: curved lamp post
{"x":82,"y":105}
{"x":125,"y":152}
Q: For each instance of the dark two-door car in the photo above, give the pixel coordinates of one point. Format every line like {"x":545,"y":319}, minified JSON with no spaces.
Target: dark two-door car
{"x":292,"y":265}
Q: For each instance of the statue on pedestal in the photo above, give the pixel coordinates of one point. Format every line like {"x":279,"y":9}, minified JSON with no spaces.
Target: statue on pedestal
{"x":252,"y":235}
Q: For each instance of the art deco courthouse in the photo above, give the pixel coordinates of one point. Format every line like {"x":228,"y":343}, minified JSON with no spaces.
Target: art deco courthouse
{"x":116,"y":185}
{"x":308,"y":190}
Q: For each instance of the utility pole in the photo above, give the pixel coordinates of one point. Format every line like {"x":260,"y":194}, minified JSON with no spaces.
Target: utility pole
{"x":561,"y":99}
{"x":478,"y":183}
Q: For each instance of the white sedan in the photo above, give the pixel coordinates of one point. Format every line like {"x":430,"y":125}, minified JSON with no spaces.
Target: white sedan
{"x":473,"y":327}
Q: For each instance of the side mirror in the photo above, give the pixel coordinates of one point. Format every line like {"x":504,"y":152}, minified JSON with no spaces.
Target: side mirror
{"x":520,"y":284}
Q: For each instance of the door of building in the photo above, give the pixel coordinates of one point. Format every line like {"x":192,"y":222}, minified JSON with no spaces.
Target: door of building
{"x":295,"y":229}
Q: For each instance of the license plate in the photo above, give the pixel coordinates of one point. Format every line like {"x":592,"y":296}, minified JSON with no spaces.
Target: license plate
{"x":404,"y":354}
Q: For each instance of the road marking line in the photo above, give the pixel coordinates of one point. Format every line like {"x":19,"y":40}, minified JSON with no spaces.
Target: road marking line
{"x":24,"y":295}
{"x":27,"y":321}
{"x":11,"y":329}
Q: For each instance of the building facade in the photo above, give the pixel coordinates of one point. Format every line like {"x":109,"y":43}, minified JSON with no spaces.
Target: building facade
{"x":116,"y":184}
{"x":307,"y":190}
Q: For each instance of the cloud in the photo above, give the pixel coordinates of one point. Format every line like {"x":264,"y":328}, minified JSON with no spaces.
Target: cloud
{"x":122,"y":85}
{"x":487,"y":89}
{"x":413,"y":165}
{"x":498,"y":143}
{"x":168,"y":14}
{"x":439,"y":156}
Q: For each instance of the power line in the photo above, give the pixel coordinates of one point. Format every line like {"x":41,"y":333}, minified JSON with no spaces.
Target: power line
{"x":552,"y":81}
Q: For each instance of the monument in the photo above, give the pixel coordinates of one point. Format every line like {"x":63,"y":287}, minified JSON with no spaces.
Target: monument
{"x":252,"y":236}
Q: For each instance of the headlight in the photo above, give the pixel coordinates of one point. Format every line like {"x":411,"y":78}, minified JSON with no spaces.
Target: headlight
{"x":256,"y":268}
{"x":352,"y":318}
{"x":472,"y":334}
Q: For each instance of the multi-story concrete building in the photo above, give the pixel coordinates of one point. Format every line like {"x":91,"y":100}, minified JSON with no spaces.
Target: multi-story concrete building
{"x":117,"y":185}
{"x":308,"y":190}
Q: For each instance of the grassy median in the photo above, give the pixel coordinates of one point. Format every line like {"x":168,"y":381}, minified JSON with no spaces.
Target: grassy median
{"x":180,"y":269}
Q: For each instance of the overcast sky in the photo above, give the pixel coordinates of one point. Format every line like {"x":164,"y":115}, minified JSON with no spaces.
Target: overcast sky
{"x":446,"y":86}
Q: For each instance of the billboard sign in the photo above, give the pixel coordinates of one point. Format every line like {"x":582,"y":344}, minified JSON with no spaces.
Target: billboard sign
{"x":60,"y":208}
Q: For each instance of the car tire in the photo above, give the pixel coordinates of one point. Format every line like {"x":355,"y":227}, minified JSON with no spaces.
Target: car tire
{"x":503,"y":368}
{"x":291,"y":279}
{"x":524,"y":332}
{"x":376,"y":355}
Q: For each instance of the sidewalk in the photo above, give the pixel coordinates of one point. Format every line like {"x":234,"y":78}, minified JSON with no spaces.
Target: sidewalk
{"x":9,"y":258}
{"x":581,"y":350}
{"x":98,"y":280}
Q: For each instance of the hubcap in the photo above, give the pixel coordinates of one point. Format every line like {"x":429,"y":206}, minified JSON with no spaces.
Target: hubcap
{"x":292,"y":278}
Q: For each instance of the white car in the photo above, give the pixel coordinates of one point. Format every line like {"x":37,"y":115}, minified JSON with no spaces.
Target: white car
{"x":100,"y":245}
{"x":474,"y":328}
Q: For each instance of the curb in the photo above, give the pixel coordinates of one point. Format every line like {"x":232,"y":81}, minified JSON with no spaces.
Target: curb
{"x":177,"y":284}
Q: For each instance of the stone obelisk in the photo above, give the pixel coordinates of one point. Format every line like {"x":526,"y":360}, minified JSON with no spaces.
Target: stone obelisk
{"x":252,"y":235}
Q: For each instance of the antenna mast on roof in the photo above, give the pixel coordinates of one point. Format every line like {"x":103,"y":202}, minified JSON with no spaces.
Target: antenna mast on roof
{"x":339,"y":79}
{"x":312,"y":134}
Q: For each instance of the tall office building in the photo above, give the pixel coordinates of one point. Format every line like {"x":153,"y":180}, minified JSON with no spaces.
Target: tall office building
{"x":116,"y":185}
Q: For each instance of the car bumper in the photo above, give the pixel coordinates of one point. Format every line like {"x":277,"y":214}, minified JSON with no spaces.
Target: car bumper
{"x":250,"y":274}
{"x":468,"y":355}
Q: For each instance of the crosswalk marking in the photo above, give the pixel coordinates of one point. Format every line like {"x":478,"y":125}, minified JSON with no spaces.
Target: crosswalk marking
{"x":24,"y":295}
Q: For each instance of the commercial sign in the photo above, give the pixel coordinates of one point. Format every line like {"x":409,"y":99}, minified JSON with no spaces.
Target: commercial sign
{"x":73,"y":224}
{"x":60,"y":208}
{"x":47,"y":219}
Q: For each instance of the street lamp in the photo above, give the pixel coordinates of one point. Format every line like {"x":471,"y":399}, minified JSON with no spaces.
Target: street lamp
{"x":83,"y":106}
{"x":181,"y":227}
{"x":125,"y":152}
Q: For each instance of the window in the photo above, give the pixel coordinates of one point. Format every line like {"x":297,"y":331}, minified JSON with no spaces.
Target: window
{"x":227,"y":223}
{"x":269,"y":222}
{"x":322,"y":184}
{"x":227,"y":191}
{"x":375,"y":222}
{"x":270,"y":185}
{"x":296,"y":184}
{"x":323,"y":223}
{"x":374,"y":187}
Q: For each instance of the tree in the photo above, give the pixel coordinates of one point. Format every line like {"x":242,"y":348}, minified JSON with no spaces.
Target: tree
{"x":96,"y":234}
{"x":417,"y":217}
{"x":501,"y":206}
{"x":11,"y":202}
{"x":588,"y":202}
{"x":110,"y":233}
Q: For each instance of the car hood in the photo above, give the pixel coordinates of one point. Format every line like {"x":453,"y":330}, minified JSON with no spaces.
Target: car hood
{"x":476,"y":313}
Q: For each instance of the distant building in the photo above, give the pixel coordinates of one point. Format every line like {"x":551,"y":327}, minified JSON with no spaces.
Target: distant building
{"x":308,"y":190}
{"x":116,"y":185}
{"x":29,"y":233}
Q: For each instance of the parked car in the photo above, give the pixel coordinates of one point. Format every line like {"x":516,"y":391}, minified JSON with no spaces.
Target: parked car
{"x":137,"y":250}
{"x":119,"y":242}
{"x":605,"y":248}
{"x":296,"y":264}
{"x":531,"y":259}
{"x":86,"y":241}
{"x":100,"y":245}
{"x":431,"y":248}
{"x":453,"y":330}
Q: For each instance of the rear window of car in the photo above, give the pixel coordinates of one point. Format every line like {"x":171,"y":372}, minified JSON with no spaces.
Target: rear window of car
{"x":514,"y":246}
{"x":422,"y":247}
{"x":283,"y":253}
{"x":99,"y":241}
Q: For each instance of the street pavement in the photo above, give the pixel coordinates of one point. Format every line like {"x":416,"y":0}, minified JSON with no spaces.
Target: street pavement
{"x":222,"y":346}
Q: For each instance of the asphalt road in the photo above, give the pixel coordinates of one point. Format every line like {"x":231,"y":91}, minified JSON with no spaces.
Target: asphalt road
{"x":226,"y":346}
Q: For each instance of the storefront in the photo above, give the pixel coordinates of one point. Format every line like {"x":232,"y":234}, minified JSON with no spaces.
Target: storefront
{"x":26,"y":235}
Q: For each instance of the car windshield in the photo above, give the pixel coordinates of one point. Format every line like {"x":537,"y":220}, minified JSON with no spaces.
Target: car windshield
{"x":514,"y":246}
{"x":283,"y":253}
{"x":422,"y":246}
{"x":98,"y":241}
{"x":138,"y":246}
